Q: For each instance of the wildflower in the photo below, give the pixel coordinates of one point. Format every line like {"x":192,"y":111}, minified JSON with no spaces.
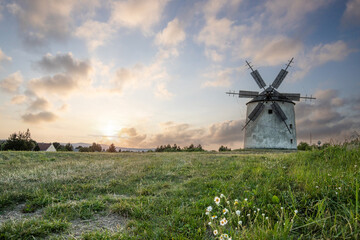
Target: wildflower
{"x":223,"y":222}
{"x":240,"y":222}
{"x":225,"y":210}
{"x":209,"y":223}
{"x":258,"y":209}
{"x":254,"y":211}
{"x":213,"y":217}
{"x":296,"y":211}
{"x":281,"y":208}
{"x":263,"y":214}
{"x":317,"y":186}
{"x":209,"y":208}
{"x":222,"y":195}
{"x":248,"y":215}
{"x":215,"y":232}
{"x":236,"y":202}
{"x":238,"y":212}
{"x":336,"y":193}
{"x":217,"y":200}
{"x":267,"y":218}
{"x":225,"y":236}
{"x":228,"y":202}
{"x":245,"y":199}
{"x":207,"y":213}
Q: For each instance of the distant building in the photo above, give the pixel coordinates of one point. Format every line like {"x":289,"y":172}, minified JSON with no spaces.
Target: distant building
{"x":46,"y":147}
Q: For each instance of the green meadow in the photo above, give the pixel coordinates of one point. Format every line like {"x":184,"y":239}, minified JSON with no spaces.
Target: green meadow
{"x":66,"y":195}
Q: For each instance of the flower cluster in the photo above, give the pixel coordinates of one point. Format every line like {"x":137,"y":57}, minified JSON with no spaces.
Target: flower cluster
{"x":228,"y":219}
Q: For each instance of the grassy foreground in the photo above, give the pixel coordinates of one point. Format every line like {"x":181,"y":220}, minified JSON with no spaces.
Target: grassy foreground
{"x":303,"y":195}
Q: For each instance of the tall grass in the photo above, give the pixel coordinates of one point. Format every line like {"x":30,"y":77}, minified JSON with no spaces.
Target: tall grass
{"x":165,"y":195}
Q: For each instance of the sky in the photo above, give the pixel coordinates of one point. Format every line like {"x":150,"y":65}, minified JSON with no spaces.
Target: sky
{"x":143,"y":73}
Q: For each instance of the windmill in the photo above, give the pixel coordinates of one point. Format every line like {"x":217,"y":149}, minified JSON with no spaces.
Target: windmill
{"x":270,"y":117}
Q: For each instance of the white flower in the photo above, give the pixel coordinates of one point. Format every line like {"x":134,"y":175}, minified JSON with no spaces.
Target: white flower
{"x":228,"y":202}
{"x":209,"y":208}
{"x":229,"y":238}
{"x":209,"y":223}
{"x":215,"y":232}
{"x":240,"y":222}
{"x":225,"y":211}
{"x":222,"y":195}
{"x":248,"y":215}
{"x":238,"y":212}
{"x":223,"y":222}
{"x":213,"y":217}
{"x":263,"y":214}
{"x":245,"y":199}
{"x":267,"y":218}
{"x":336,"y":193}
{"x":296,"y":211}
{"x":207,"y":213}
{"x":258,"y":209}
{"x":217,"y":200}
{"x":281,"y":208}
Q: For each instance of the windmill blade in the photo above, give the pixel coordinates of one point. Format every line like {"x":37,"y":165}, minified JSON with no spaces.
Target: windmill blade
{"x":255,"y":113}
{"x":258,"y":79}
{"x":280,"y":78}
{"x":280,"y":113}
{"x":291,"y":96}
{"x":248,"y":94}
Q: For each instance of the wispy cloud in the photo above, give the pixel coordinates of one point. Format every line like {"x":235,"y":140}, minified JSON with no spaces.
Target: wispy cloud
{"x":352,"y":13}
{"x":12,"y":83}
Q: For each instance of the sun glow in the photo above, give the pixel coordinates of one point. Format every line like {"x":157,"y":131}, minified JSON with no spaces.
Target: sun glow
{"x":110,"y":130}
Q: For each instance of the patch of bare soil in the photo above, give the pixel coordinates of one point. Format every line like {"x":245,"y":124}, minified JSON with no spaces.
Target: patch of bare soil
{"x":16,"y":214}
{"x":111,"y":222}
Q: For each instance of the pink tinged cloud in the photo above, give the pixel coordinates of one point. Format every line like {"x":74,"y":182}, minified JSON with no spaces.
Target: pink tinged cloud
{"x":172,"y":35}
{"x":39,"y":117}
{"x":11,"y":83}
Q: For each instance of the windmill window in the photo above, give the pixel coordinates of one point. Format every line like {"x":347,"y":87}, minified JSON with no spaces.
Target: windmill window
{"x":290,"y":126}
{"x":270,"y":111}
{"x":291,"y":141}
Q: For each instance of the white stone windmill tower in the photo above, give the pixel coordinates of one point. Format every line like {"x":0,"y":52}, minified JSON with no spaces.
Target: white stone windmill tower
{"x":270,"y":116}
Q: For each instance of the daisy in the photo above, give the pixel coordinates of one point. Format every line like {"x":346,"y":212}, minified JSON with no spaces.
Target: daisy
{"x":217,"y":200}
{"x":215,"y":232}
{"x":225,"y":210}
{"x":240,"y":222}
{"x":223,"y":222}
{"x":238,"y":212}
{"x":209,"y":208}
{"x":222,"y":195}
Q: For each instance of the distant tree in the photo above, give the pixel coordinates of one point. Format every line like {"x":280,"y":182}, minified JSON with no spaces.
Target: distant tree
{"x":304,"y":146}
{"x":85,"y":149}
{"x":20,"y":142}
{"x":112,"y":148}
{"x":95,"y":147}
{"x":119,"y":149}
{"x":223,"y":149}
{"x":56,"y":145}
{"x":69,"y":147}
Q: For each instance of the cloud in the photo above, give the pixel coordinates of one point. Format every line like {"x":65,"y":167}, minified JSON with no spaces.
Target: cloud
{"x":139,"y":75}
{"x":39,"y":117}
{"x":141,"y":14}
{"x":327,"y":118}
{"x":213,"y":55}
{"x":39,"y":104}
{"x":217,"y":33}
{"x":352,"y":13}
{"x":172,"y":35}
{"x":3,"y":57}
{"x":320,"y":55}
{"x":130,"y":137}
{"x":74,"y":74}
{"x":18,"y":99}
{"x":12,"y":83}
{"x":64,"y":63}
{"x":219,"y":77}
{"x":95,"y":33}
{"x":183,"y":134}
{"x":283,"y":14}
{"x":40,"y":21}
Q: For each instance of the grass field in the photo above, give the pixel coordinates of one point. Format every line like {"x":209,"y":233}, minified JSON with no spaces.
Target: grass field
{"x":303,"y":195}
